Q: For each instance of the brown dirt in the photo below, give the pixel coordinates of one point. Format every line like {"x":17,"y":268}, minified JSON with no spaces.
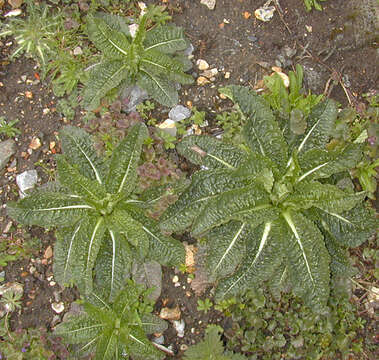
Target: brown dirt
{"x":247,"y":48}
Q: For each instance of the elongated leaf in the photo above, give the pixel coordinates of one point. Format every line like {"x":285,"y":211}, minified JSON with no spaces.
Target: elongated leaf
{"x":318,"y":163}
{"x":163,"y":249}
{"x":96,"y":231}
{"x":323,"y":196}
{"x":166,"y":39}
{"x":226,"y":247}
{"x":113,"y":265}
{"x":320,"y":124}
{"x":157,"y":63}
{"x":263,"y":258}
{"x":153,"y":324}
{"x":70,"y":177}
{"x":210,"y":152}
{"x":115,"y":22}
{"x":141,"y":347}
{"x":78,"y":329}
{"x":123,"y":166}
{"x":158,"y":87}
{"x":111,"y":42}
{"x":66,"y":254}
{"x":205,"y":186}
{"x":351,"y":228}
{"x":103,"y":78}
{"x":230,"y":204}
{"x":107,"y":345}
{"x":340,"y":263}
{"x":308,"y":260}
{"x":78,"y":149}
{"x":279,"y":281}
{"x":261,"y":131}
{"x":121,"y":222}
{"x":48,"y":209}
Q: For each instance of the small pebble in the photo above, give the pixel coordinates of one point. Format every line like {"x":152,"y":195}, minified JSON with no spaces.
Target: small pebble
{"x":183,"y":347}
{"x":202,"y":64}
{"x":201,"y":80}
{"x":57,"y":307}
{"x":175,"y":279}
{"x":179,"y":327}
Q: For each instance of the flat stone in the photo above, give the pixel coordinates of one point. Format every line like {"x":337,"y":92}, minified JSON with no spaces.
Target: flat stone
{"x":26,"y":181}
{"x":7,"y":149}
{"x":132,"y":96}
{"x":170,"y":313}
{"x":179,"y":113}
{"x":168,"y":126}
{"x":202,"y":64}
{"x":210,"y":4}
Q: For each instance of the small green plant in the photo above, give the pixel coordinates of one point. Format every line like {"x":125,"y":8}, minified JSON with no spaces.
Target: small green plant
{"x":34,"y":35}
{"x":271,"y":210}
{"x":115,"y":330}
{"x":101,"y":222}
{"x":147,"y":59}
{"x":272,"y":328}
{"x":211,"y":348}
{"x":204,"y":305}
{"x":10,"y":302}
{"x":231,"y":123}
{"x":291,"y":103}
{"x":309,"y":4}
{"x":8,"y":128}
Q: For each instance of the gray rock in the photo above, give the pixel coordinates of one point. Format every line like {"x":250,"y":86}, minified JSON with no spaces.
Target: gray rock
{"x":26,"y":181}
{"x":132,"y":96}
{"x":289,"y":52}
{"x":190,"y":49}
{"x":7,"y":149}
{"x":150,"y":275}
{"x":179,"y":112}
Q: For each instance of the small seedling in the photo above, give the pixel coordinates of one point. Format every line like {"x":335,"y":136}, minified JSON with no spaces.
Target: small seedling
{"x":204,"y":305}
{"x":7,"y":128}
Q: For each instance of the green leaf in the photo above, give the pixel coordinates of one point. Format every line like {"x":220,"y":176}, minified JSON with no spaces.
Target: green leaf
{"x":321,"y":123}
{"x":103,"y":78}
{"x":47,"y":209}
{"x":261,"y":131}
{"x":210,"y":348}
{"x":111,"y":42}
{"x":166,"y":39}
{"x":318,"y":163}
{"x":66,"y":254}
{"x":107,"y":345}
{"x":157,"y":63}
{"x":163,"y":249}
{"x":308,"y":260}
{"x":226,"y":247}
{"x":351,"y":228}
{"x":78,"y":329}
{"x":70,"y":177}
{"x":323,"y":196}
{"x":141,"y":347}
{"x":78,"y":149}
{"x":123,"y":165}
{"x":205,"y":186}
{"x":153,"y":324}
{"x":158,"y":87}
{"x":122,"y":222}
{"x":96,"y":229}
{"x":113,"y":264}
{"x":340,"y":263}
{"x":252,"y":198}
{"x":263,"y":258}
{"x":209,"y":152}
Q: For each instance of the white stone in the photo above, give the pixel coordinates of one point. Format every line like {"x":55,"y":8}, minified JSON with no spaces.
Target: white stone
{"x":57,"y":307}
{"x":26,"y":181}
{"x":179,"y":113}
{"x":202,"y":64}
{"x":168,"y":126}
{"x":210,"y":4}
{"x":179,"y":326}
